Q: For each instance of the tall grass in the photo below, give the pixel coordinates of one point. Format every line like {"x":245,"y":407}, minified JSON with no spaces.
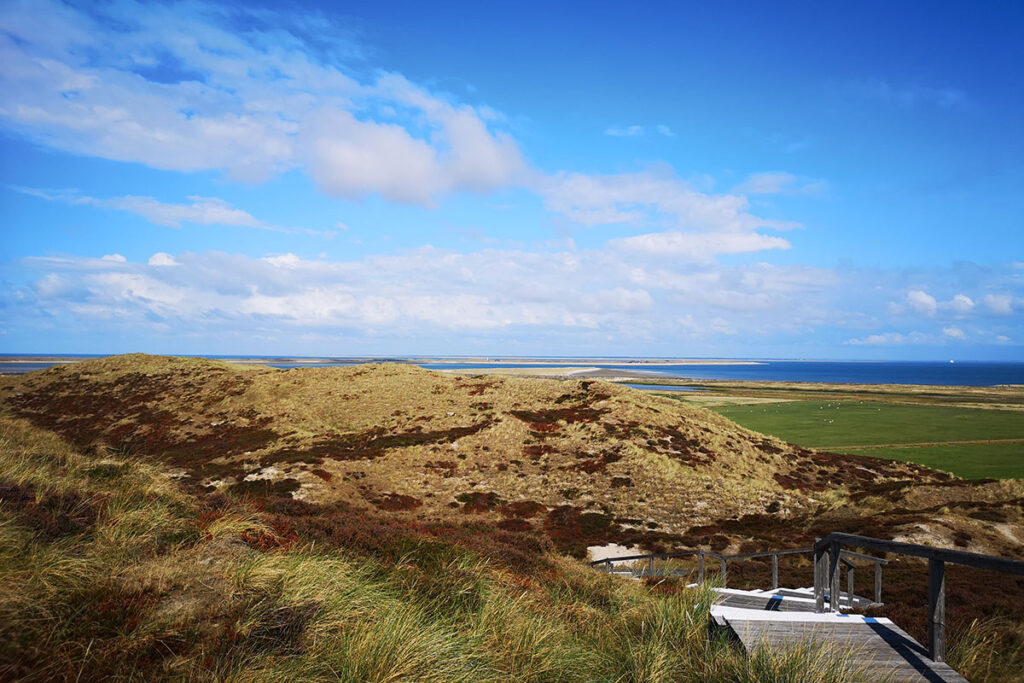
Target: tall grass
{"x":989,"y":651}
{"x":109,"y":571}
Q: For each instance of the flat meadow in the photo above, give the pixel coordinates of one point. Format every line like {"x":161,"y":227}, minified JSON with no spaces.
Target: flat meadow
{"x":971,"y":443}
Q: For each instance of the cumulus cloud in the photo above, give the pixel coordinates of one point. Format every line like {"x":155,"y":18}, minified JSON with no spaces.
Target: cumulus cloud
{"x":961,"y":304}
{"x":162,"y":259}
{"x":648,"y":197}
{"x":252,"y":104}
{"x":954,"y":333}
{"x":435,"y":290}
{"x":1000,"y":304}
{"x":922,"y":302}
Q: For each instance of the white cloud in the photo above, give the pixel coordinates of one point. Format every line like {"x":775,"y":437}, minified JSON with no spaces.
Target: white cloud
{"x":885,"y":339}
{"x":922,"y":302}
{"x":961,"y":304}
{"x":428,"y":289}
{"x":624,"y":131}
{"x":779,"y":182}
{"x":636,"y":131}
{"x":1000,"y":304}
{"x":162,"y":259}
{"x":252,"y":104}
{"x":954,"y":333}
{"x":201,"y":210}
{"x":114,"y":258}
{"x":648,"y":197}
{"x":699,"y":246}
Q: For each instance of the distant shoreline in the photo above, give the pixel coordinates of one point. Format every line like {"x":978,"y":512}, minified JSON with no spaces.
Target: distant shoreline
{"x":645,"y":370}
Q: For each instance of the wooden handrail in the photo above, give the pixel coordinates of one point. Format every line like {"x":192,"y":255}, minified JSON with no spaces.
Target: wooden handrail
{"x":725,"y":559}
{"x":829,"y":551}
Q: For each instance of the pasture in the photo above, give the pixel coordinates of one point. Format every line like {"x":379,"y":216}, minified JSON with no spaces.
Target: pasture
{"x":971,"y":443}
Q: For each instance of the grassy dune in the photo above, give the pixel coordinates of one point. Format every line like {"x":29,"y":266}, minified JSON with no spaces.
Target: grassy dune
{"x":108,"y":570}
{"x":930,"y":433}
{"x":183,"y":518}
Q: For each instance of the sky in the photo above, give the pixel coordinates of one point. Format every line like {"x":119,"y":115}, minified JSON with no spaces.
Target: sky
{"x":731,"y":179}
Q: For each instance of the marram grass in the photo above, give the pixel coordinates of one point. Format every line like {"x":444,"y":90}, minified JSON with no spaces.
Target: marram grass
{"x":117,"y":574}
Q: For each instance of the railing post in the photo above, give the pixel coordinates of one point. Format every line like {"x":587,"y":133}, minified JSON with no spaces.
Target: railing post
{"x":700,"y":567}
{"x":937,"y":610}
{"x":878,"y":582}
{"x":849,"y":582}
{"x":725,"y":573}
{"x":819,"y":577}
{"x":833,"y":576}
{"x":650,"y":566}
{"x":775,"y":571}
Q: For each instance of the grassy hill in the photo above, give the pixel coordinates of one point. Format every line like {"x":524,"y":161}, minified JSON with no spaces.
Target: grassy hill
{"x":229,"y":520}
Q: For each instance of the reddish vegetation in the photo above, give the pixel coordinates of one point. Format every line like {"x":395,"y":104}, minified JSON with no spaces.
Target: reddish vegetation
{"x":546,"y":421}
{"x":523,"y":508}
{"x":393,"y":502}
{"x":281,"y":537}
{"x":534,"y":452}
{"x":388,"y":538}
{"x":373,"y":443}
{"x":53,"y":514}
{"x":476,"y":502}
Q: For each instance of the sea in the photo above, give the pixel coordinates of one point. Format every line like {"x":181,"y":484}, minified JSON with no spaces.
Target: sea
{"x":959,"y":373}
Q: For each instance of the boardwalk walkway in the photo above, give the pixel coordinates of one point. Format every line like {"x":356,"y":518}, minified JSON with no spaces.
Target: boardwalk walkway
{"x":784,"y":617}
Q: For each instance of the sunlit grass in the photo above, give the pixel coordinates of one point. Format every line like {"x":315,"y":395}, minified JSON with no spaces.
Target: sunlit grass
{"x":141,"y":581}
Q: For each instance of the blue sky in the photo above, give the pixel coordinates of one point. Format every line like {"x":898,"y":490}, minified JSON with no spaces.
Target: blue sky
{"x":683,"y":179}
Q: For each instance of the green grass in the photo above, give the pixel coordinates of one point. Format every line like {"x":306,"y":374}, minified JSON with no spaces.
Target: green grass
{"x":839,"y":425}
{"x":981,"y":461}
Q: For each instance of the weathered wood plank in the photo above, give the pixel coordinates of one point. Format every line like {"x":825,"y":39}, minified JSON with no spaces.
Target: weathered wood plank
{"x":876,"y":646}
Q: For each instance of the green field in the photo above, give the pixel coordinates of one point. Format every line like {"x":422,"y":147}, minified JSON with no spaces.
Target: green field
{"x":937,"y":432}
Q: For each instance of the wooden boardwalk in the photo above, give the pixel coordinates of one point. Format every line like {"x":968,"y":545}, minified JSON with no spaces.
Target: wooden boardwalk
{"x":876,"y":646}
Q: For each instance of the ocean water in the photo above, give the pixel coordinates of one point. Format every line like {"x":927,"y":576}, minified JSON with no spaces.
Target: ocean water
{"x":974,"y":373}
{"x":965,"y":373}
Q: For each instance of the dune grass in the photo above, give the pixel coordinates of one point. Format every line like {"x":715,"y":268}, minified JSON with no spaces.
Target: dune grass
{"x":108,"y":570}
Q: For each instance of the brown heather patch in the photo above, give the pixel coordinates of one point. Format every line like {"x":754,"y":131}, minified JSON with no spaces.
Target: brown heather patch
{"x":372,"y":443}
{"x":476,"y":502}
{"x":393,"y":502}
{"x":51,"y":514}
{"x":523,"y":508}
{"x":547,"y":421}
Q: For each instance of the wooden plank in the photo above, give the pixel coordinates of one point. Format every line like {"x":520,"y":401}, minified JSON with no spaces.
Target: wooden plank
{"x":880,"y":649}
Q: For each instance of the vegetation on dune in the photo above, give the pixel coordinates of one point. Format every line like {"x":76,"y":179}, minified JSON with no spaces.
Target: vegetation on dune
{"x":204,"y":520}
{"x":861,"y":427}
{"x":108,"y":569}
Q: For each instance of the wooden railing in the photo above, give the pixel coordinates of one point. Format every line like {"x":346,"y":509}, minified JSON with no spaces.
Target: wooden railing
{"x":829,"y":553}
{"x":830,"y":557}
{"x":848,"y":557}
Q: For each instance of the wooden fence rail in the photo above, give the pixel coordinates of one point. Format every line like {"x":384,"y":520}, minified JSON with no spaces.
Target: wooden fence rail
{"x":723,"y":560}
{"x":831,"y":554}
{"x":829,"y":551}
